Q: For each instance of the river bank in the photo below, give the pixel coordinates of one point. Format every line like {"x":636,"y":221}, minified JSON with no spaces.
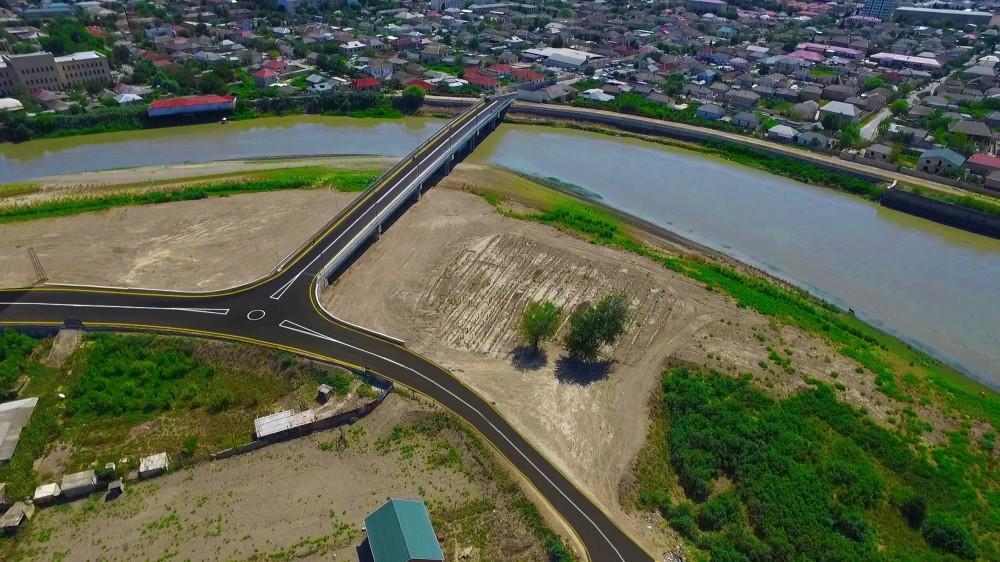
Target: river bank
{"x":841,"y":248}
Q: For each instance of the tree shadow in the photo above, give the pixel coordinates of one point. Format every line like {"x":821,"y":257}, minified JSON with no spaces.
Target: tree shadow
{"x":526,"y":358}
{"x":574,"y":371}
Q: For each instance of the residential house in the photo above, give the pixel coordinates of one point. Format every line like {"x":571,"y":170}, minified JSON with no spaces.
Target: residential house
{"x":743,"y":99}
{"x":805,"y":111}
{"x":711,"y":112}
{"x":983,"y":164}
{"x":940,"y":160}
{"x":366,"y":85}
{"x":812,"y":139}
{"x":782,"y":133}
{"x":839,"y":113}
{"x":976,"y":130}
{"x":265,"y":77}
{"x":747,"y":120}
{"x":879,"y":152}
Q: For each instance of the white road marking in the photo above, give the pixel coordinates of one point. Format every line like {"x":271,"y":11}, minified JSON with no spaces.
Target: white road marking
{"x":284,"y":288}
{"x":255,"y":315}
{"x":289,"y":325}
{"x":217,"y":311}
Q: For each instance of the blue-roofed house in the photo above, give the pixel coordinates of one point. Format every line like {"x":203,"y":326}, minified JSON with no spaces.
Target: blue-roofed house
{"x":939,"y":160}
{"x":400,"y":531}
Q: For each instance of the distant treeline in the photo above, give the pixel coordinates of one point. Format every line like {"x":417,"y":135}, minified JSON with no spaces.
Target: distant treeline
{"x":20,"y":127}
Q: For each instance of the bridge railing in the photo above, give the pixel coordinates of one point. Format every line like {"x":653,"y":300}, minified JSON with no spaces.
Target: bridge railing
{"x":416,"y":183}
{"x":401,"y":162}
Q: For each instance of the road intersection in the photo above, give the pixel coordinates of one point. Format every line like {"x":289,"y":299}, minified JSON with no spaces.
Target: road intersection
{"x":282,"y":310}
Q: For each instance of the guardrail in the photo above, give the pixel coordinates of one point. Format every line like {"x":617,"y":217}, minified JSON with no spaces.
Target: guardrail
{"x":322,"y":231}
{"x":415,"y":184}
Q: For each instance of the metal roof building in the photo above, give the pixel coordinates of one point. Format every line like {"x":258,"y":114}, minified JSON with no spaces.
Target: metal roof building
{"x":401,"y":531}
{"x":13,"y":417}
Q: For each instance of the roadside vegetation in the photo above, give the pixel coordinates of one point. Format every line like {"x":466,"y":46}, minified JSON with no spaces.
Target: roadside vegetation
{"x":970,"y":201}
{"x":131,"y":395}
{"x":309,"y":177}
{"x":434,"y":439}
{"x":899,"y":371}
{"x":743,"y":476}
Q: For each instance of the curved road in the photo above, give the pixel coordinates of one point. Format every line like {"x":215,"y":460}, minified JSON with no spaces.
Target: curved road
{"x":282,"y":311}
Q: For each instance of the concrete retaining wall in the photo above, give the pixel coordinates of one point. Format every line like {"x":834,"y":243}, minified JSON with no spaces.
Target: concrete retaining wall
{"x":945,"y":213}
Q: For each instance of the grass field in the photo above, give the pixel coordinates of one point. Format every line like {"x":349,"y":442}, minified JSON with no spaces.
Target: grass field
{"x":222,"y":185}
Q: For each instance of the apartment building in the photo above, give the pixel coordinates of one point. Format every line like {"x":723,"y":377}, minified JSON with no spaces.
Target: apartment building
{"x":42,"y":70}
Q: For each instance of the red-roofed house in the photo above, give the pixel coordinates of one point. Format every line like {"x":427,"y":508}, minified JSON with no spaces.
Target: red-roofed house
{"x":422,"y":84}
{"x":367,"y":84}
{"x":504,"y":70}
{"x":265,"y":77}
{"x":529,"y":76}
{"x":808,"y":56}
{"x":472,"y":76}
{"x":982,"y":163}
{"x":276,"y":65}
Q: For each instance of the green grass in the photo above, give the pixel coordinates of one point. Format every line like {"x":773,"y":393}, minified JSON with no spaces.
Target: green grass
{"x":812,"y":478}
{"x":900,"y":371}
{"x":15,"y":189}
{"x":977,"y":202}
{"x":257,"y":182}
{"x":173,"y":388}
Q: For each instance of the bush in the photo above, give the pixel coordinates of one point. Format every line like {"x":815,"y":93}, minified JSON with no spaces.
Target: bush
{"x":914,"y":509}
{"x":15,"y":348}
{"x":945,"y":531}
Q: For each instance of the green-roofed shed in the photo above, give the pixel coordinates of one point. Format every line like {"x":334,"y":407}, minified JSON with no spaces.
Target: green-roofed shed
{"x":401,"y":531}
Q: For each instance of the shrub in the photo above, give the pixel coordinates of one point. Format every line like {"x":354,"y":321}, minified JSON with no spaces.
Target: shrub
{"x":945,"y":531}
{"x":914,"y":509}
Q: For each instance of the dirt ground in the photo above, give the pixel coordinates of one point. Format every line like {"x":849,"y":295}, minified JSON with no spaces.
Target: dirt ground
{"x":451,"y":277}
{"x":199,"y":245}
{"x":304,"y":499}
{"x":458,"y":297}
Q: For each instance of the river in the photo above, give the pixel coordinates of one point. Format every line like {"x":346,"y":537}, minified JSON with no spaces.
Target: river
{"x":934,"y":286}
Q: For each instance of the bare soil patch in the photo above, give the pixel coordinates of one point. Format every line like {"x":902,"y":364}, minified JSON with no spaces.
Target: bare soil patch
{"x":452,"y":276}
{"x":199,"y":245}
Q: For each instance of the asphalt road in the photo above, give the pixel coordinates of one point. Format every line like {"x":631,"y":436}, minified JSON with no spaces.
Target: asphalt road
{"x":282,"y":311}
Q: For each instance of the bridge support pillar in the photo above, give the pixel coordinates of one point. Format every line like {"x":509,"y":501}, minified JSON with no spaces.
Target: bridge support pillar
{"x":419,"y":193}
{"x":378,"y":232}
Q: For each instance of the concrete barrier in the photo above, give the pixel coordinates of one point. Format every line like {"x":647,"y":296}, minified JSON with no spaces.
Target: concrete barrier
{"x":971,"y":220}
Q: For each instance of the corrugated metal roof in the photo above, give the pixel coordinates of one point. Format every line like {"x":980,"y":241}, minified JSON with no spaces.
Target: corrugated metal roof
{"x":401,"y":531}
{"x":282,"y":421}
{"x":13,"y":417}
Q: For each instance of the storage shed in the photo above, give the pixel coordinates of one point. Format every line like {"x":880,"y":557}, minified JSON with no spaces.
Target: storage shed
{"x":79,"y":484}
{"x":153,"y":465}
{"x":47,"y":493}
{"x":400,"y":531}
{"x":14,"y":517}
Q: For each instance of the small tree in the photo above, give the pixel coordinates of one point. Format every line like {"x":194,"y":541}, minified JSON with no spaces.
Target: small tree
{"x":948,"y":533}
{"x":190,"y":445}
{"x":596,"y":326}
{"x":899,"y":107}
{"x":539,"y":322}
{"x":411,"y":99}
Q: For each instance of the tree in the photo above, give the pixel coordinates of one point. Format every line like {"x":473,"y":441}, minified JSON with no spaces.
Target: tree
{"x":947,"y":532}
{"x":411,"y":99}
{"x":873,"y":82}
{"x":899,"y":107}
{"x":596,"y":326}
{"x":539,"y":322}
{"x":850,"y":136}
